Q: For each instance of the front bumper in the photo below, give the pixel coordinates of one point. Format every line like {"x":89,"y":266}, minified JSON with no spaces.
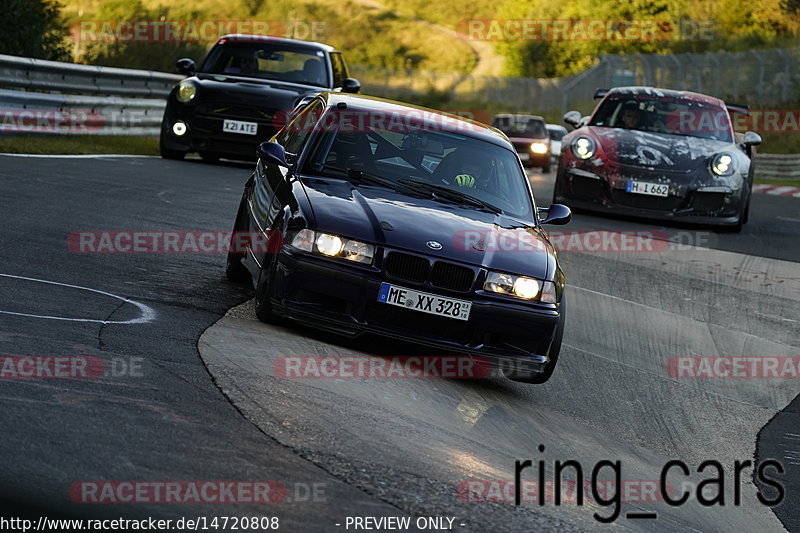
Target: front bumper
{"x":344,"y":299}
{"x":698,"y":204}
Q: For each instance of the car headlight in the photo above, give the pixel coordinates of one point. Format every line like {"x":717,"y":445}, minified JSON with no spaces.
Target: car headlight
{"x":186,"y":91}
{"x":723,"y":164}
{"x":539,"y":148}
{"x":518,"y":286}
{"x":583,"y":147}
{"x":331,"y":245}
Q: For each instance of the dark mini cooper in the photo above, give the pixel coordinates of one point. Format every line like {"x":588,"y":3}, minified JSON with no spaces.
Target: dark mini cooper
{"x":243,"y":92}
{"x":658,"y":154}
{"x":366,"y":215}
{"x":529,"y":135}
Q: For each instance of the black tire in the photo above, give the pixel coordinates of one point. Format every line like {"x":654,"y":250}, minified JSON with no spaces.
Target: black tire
{"x":546,"y":169}
{"x":234,"y":269}
{"x":209,"y":157}
{"x":537,"y":378}
{"x":166,"y":153}
{"x":263,"y":299}
{"x":746,"y":215}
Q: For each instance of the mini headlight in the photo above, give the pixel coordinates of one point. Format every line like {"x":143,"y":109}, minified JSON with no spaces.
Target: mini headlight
{"x":328,"y":244}
{"x":723,"y":164}
{"x":179,"y":128}
{"x":186,"y":91}
{"x":518,"y":286}
{"x":583,"y":147}
{"x":539,"y":148}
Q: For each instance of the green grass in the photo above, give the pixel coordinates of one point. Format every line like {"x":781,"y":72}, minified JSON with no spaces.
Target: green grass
{"x":79,"y":144}
{"x":774,"y":181}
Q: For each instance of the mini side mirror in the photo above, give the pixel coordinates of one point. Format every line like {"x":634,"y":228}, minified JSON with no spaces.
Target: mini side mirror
{"x":186,"y":66}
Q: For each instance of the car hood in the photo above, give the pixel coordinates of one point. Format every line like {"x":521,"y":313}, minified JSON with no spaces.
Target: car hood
{"x":379,"y":215}
{"x":657,"y":151}
{"x":252,"y":91}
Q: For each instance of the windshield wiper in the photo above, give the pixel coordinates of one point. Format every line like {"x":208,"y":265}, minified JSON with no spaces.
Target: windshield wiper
{"x":452,"y":194}
{"x":361,"y":176}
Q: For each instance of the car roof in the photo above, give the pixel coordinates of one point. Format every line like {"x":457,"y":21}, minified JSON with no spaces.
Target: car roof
{"x":555,"y":127}
{"x":518,"y":116}
{"x":250,"y":38}
{"x":453,"y":124}
{"x":659,"y":92}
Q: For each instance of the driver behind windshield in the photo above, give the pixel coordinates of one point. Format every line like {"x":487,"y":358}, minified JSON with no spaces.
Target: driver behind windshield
{"x":471,"y":173}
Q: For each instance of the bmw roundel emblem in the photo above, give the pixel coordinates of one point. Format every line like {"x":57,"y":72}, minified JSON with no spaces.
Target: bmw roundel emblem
{"x":433,"y":245}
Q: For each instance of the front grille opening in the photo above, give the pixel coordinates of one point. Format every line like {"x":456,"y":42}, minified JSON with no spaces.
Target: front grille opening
{"x":450,"y":276}
{"x":708,"y":201}
{"x":407,"y":267}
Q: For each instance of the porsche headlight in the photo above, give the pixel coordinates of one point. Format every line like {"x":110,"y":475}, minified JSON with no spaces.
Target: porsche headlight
{"x":723,"y":164}
{"x":186,"y":91}
{"x":331,"y":245}
{"x":517,"y":286}
{"x":583,"y":147}
{"x":539,"y":148}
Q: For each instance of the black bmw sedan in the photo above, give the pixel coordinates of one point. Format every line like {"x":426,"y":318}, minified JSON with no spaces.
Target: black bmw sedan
{"x":367,"y":215}
{"x":243,"y":92}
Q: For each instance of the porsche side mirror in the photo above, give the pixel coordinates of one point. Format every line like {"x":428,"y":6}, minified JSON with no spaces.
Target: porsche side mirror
{"x":351,"y":85}
{"x":573,"y":118}
{"x":186,"y":66}
{"x":274,"y":153}
{"x":751,"y":138}
{"x":556,"y":214}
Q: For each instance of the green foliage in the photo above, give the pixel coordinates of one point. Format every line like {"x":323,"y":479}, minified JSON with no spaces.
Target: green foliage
{"x":33,"y":28}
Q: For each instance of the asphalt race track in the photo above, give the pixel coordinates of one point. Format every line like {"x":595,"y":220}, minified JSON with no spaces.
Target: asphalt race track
{"x":188,"y":389}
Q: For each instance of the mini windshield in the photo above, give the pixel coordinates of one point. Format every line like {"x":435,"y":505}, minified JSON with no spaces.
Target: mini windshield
{"x":266,"y":60}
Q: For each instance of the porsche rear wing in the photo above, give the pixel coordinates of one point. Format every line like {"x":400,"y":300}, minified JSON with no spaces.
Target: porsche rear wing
{"x":599,"y":93}
{"x":735,"y":108}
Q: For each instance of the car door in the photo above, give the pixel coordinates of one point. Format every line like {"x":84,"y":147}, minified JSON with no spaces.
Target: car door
{"x":270,"y":184}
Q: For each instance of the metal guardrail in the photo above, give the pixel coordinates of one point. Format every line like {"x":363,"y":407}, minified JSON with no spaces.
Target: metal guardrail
{"x":778,"y":166}
{"x":53,"y":97}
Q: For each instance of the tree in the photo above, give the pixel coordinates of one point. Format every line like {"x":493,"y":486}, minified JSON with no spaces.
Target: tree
{"x":33,"y":28}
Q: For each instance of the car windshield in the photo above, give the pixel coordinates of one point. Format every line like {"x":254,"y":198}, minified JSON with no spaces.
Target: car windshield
{"x":271,"y":61}
{"x":556,"y":134}
{"x":449,"y":166}
{"x":674,"y":116}
{"x":521,"y":126}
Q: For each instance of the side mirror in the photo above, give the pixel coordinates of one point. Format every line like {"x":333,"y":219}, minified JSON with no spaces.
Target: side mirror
{"x":186,"y":66}
{"x":272,"y":153}
{"x":556,"y":214}
{"x":573,"y":118}
{"x":351,"y":85}
{"x":751,"y":138}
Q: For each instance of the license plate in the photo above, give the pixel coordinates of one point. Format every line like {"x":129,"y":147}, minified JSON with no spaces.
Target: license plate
{"x":652,"y":189}
{"x":424,"y":302}
{"x":237,"y":126}
{"x":524,"y":157}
